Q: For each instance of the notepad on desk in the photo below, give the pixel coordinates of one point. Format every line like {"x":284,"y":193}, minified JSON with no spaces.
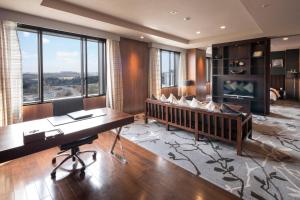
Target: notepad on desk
{"x":75,"y":116}
{"x":80,"y":114}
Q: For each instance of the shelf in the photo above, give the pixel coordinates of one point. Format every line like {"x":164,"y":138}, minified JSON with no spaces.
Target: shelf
{"x":216,"y":75}
{"x":261,"y":57}
{"x":240,"y":98}
{"x":244,"y":58}
{"x":256,"y":69}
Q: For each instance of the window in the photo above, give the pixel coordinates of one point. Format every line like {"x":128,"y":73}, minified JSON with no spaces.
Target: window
{"x":60,"y":65}
{"x":30,"y":66}
{"x":169,"y":68}
{"x":95,"y":68}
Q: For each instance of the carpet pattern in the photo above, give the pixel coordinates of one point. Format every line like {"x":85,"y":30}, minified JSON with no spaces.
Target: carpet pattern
{"x":268,"y":169}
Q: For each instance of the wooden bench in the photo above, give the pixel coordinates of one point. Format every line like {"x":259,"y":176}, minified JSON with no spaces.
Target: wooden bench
{"x":227,"y":127}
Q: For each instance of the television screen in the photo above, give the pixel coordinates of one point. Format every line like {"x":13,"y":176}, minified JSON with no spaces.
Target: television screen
{"x":239,"y":88}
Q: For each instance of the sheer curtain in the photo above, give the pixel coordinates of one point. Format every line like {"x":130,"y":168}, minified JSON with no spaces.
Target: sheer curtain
{"x":182,"y":76}
{"x":114,"y":94}
{"x":11,"y":94}
{"x":154,"y":73}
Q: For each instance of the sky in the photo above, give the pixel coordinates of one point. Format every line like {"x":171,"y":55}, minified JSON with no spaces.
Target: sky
{"x":59,"y":53}
{"x":63,"y":54}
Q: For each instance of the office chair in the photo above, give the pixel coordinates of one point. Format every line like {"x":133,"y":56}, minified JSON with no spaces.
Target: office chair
{"x":62,"y":107}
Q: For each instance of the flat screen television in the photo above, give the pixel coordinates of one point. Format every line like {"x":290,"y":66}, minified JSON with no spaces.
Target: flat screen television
{"x":239,"y":88}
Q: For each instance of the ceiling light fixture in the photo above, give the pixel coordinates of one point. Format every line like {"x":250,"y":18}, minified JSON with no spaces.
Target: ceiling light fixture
{"x":173,"y":12}
{"x":142,"y":37}
{"x":285,"y":38}
{"x":198,"y":32}
{"x":265,"y":5}
{"x":222,"y":27}
{"x":186,"y":18}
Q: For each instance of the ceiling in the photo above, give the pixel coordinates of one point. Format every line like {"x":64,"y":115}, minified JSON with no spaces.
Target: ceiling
{"x":278,"y":44}
{"x":151,"y":18}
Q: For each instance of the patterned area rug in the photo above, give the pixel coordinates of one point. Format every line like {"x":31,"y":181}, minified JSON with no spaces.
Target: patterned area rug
{"x":268,"y":169}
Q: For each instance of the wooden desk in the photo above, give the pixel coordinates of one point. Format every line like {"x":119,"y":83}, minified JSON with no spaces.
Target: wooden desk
{"x":11,"y":137}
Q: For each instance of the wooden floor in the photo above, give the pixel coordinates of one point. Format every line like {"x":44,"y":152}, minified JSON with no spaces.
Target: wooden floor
{"x":146,"y":176}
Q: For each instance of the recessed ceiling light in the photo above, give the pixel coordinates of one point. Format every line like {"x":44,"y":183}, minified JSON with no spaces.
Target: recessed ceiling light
{"x":173,"y":12}
{"x":265,"y":5}
{"x":186,"y":18}
{"x":285,"y":38}
{"x":222,"y":27}
{"x":142,"y":37}
{"x":198,"y":32}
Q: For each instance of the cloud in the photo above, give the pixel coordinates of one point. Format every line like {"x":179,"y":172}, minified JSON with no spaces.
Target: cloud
{"x":46,"y":41}
{"x":26,"y":34}
{"x":68,"y":57}
{"x":27,"y":55}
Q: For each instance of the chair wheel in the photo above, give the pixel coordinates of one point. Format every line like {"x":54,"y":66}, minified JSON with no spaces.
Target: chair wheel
{"x":53,"y":174}
{"x":94,"y":156}
{"x":82,"y":174}
{"x":53,"y":160}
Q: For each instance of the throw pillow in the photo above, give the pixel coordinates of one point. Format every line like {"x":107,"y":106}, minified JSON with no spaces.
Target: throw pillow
{"x":197,"y":104}
{"x":172,"y":99}
{"x":227,"y":109}
{"x":183,"y":101}
{"x":163,"y":98}
{"x":153,"y":97}
{"x":212,"y":106}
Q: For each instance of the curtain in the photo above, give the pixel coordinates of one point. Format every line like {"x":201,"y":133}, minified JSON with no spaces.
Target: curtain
{"x":114,"y":94}
{"x":11,"y":93}
{"x":182,"y":74}
{"x":154,"y":73}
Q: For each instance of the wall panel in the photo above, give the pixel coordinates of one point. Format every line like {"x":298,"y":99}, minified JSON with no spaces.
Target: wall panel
{"x":135,"y":64}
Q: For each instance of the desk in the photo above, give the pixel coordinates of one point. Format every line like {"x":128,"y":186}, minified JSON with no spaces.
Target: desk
{"x":11,"y":137}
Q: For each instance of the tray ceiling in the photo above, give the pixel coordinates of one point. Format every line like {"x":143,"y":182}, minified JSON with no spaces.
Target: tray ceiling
{"x":151,"y":18}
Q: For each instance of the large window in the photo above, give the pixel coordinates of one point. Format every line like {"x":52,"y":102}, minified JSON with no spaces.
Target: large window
{"x":169,"y":68}
{"x":95,"y":67}
{"x":30,"y":66}
{"x":60,"y":65}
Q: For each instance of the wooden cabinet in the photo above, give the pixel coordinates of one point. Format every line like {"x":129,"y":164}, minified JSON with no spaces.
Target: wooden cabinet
{"x":246,"y":61}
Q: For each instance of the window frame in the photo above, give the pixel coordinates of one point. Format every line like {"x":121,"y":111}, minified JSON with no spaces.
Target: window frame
{"x":208,"y":70}
{"x":83,"y":53}
{"x":175,"y":69}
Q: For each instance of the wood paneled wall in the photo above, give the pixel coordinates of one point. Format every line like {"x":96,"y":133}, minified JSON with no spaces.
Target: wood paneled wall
{"x":200,"y":74}
{"x":135,"y":64}
{"x":38,"y":111}
{"x":277,"y":81}
{"x":292,"y":63}
{"x":191,"y":70}
{"x":196,"y":66}
{"x":167,"y":91}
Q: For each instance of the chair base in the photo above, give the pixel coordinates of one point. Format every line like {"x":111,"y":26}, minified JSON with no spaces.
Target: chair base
{"x":75,"y":152}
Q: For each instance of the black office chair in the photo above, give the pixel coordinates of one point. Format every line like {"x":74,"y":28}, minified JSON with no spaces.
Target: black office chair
{"x":62,"y":107}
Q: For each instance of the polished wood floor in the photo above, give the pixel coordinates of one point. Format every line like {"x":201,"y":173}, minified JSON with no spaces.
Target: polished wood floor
{"x":146,"y":176}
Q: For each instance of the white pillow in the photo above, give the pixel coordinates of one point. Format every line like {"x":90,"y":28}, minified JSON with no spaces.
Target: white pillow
{"x":172,"y":99}
{"x":275,"y":91}
{"x":211,"y":106}
{"x":163,"y":98}
{"x":194,"y":103}
{"x":183,"y":101}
